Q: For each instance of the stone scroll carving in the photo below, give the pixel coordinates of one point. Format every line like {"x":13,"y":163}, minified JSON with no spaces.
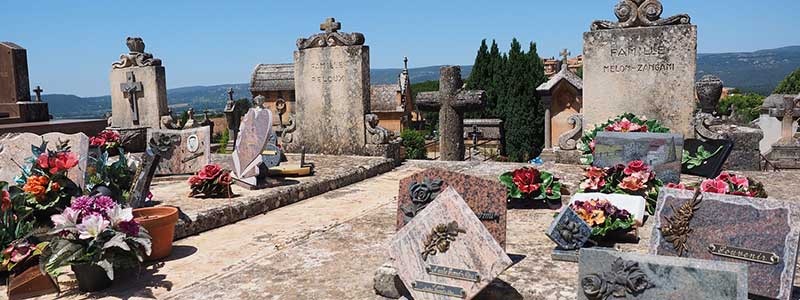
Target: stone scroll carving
{"x":377,"y":135}
{"x":640,"y":13}
{"x":287,"y":135}
{"x":331,"y":37}
{"x":701,"y":123}
{"x":137,"y":57}
{"x":569,"y":140}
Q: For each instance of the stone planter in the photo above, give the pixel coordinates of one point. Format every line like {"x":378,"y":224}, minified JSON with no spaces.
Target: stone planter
{"x":160,"y":223}
{"x":91,"y":278}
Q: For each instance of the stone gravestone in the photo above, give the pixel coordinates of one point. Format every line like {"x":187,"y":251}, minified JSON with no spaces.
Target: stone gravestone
{"x":331,"y":72}
{"x":445,"y":252}
{"x":642,"y":64}
{"x":762,"y":233}
{"x":15,"y":148}
{"x":138,"y":88}
{"x":662,"y":151}
{"x":451,"y":101}
{"x":487,"y":198}
{"x":633,"y":204}
{"x":786,"y":152}
{"x":15,"y":93}
{"x":191,"y":150}
{"x":605,"y":274}
{"x":254,"y":132}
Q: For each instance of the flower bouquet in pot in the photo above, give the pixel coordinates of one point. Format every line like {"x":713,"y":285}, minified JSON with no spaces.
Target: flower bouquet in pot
{"x":626,"y":122}
{"x":727,"y":183}
{"x":112,"y":179}
{"x":529,"y":185}
{"x":96,"y":236}
{"x":45,"y":185}
{"x":212,"y":181}
{"x":635,"y":178}
{"x":108,"y":141}
{"x":607,"y":221}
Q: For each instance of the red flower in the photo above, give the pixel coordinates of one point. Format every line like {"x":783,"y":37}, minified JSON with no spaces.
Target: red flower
{"x":209,"y":172}
{"x":6,"y":201}
{"x":626,"y":125}
{"x":635,"y":167}
{"x":724,"y":176}
{"x":97,"y":141}
{"x":225,"y":178}
{"x":54,"y":186}
{"x":740,"y":182}
{"x":527,"y":179}
{"x":43,"y":161}
{"x":195,"y":180}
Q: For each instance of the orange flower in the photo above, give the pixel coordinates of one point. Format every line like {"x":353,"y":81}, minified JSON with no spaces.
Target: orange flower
{"x":597,"y":218}
{"x":36,"y":185}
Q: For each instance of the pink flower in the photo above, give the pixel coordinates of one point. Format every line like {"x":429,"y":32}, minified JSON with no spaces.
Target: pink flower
{"x":632,"y":183}
{"x":593,"y":183}
{"x":43,"y":161}
{"x":91,"y":226}
{"x":636,"y":166}
{"x":625,"y":125}
{"x":6,"y":204}
{"x":714,"y":186}
{"x":680,"y":186}
{"x":740,"y":182}
{"x":131,"y":228}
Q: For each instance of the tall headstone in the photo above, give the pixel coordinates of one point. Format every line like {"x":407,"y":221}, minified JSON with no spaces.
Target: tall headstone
{"x":641,"y":64}
{"x":15,"y":90}
{"x":254,"y":133}
{"x":451,"y":101}
{"x":138,"y":88}
{"x":331,"y":71}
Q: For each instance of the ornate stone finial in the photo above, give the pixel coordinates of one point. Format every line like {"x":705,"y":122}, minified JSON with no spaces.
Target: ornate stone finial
{"x":569,"y":139}
{"x":330,"y":25}
{"x":331,"y":37}
{"x":640,"y":13}
{"x":709,"y":91}
{"x":136,"y":57}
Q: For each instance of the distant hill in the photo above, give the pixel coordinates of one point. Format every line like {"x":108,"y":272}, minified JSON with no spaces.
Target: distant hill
{"x":758,"y":72}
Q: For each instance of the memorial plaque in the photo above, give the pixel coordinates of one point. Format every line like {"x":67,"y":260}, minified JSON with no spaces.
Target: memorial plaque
{"x":568,"y":230}
{"x":648,"y":71}
{"x":15,"y":149}
{"x":487,"y":198}
{"x":705,"y":158}
{"x":633,"y":204}
{"x":445,"y":252}
{"x":190,"y":150}
{"x":761,"y":233}
{"x":661,"y":151}
{"x":608,"y":274}
{"x":254,"y":132}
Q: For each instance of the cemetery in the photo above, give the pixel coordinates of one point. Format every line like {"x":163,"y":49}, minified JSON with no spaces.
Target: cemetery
{"x":327,"y":185}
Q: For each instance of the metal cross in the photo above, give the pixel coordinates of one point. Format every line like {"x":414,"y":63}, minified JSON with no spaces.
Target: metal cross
{"x":130,"y":88}
{"x":330,"y":25}
{"x":38,"y":92}
{"x":230,"y":94}
{"x":565,"y":54}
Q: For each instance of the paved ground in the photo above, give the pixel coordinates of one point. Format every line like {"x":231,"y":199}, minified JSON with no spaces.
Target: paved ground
{"x":328,"y":247}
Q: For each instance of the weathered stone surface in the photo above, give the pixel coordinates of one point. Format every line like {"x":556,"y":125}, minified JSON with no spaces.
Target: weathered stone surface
{"x":648,"y":71}
{"x":709,"y":90}
{"x":152,"y":99}
{"x":483,"y":196}
{"x":764,"y":225}
{"x":418,"y":250}
{"x":568,"y":230}
{"x":659,"y":277}
{"x":745,"y":155}
{"x":190,"y":151}
{"x":661,"y":151}
{"x":332,"y":92}
{"x":14,"y":85}
{"x":254,"y":133}
{"x":387,"y":283}
{"x":15,"y":148}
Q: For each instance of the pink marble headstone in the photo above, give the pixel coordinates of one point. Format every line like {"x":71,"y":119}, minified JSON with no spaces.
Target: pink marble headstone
{"x":254,"y":133}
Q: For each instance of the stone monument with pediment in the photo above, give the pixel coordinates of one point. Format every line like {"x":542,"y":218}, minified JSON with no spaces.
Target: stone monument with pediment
{"x":138,"y":88}
{"x":641,"y":64}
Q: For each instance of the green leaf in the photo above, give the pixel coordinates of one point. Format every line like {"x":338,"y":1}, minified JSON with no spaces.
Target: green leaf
{"x":507,"y":179}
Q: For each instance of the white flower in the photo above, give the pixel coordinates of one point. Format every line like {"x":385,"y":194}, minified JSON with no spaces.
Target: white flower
{"x":65,"y":221}
{"x":119,"y":214}
{"x":91,"y":226}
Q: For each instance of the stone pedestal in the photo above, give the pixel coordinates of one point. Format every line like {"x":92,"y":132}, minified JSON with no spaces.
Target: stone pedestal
{"x":152,"y":99}
{"x":648,"y":71}
{"x":745,"y":155}
{"x":785,"y":157}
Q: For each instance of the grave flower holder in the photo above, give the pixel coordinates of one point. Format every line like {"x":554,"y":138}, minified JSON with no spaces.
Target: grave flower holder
{"x":211,"y":182}
{"x":90,"y":277}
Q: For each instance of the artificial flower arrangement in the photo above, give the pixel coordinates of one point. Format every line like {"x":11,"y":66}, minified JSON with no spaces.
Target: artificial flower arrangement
{"x":603,"y":217}
{"x":106,"y":140}
{"x":636,"y":178}
{"x":531,"y":184}
{"x":15,"y":231}
{"x":117,"y":177}
{"x":21,"y":254}
{"x":211,"y":181}
{"x":626,"y":122}
{"x":727,"y":183}
{"x":99,"y":232}
{"x":44,"y":181}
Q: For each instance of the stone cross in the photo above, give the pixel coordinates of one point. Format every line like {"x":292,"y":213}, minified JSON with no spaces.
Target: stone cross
{"x":330,"y":25}
{"x":230,"y":94}
{"x":565,"y":54}
{"x":38,"y":92}
{"x":475,"y":135}
{"x":789,"y":114}
{"x":130,"y":88}
{"x":452,"y":102}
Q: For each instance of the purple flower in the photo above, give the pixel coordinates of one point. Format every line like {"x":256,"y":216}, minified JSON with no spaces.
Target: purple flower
{"x":131,"y":228}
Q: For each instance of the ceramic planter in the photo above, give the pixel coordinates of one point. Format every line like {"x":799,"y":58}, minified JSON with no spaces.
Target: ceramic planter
{"x":31,"y":282}
{"x":91,"y":278}
{"x":160,"y":223}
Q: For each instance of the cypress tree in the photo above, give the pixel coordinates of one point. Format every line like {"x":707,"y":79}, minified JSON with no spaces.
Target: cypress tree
{"x":479,"y":78}
{"x":519,"y":112}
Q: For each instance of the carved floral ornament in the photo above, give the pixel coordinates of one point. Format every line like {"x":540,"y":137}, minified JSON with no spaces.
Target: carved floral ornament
{"x":640,"y":13}
{"x":331,"y":37}
{"x":136,"y":57}
{"x":625,"y":278}
{"x":422,"y":193}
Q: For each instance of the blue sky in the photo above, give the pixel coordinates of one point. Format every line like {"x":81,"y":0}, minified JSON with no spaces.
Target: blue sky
{"x":71,"y":44}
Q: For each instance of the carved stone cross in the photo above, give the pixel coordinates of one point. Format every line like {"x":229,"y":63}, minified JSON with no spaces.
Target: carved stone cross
{"x":565,"y":54}
{"x":130,"y":88}
{"x":789,"y":114}
{"x":38,"y":92}
{"x":230,"y":94}
{"x":452,"y":102}
{"x":475,"y":134}
{"x":330,"y":25}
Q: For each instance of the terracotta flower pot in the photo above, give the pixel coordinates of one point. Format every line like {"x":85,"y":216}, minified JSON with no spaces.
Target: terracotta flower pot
{"x":160,"y":223}
{"x":91,"y":278}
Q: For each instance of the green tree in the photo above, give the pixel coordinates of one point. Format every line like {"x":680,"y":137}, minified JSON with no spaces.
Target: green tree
{"x":790,"y":84}
{"x":523,"y":122}
{"x":479,"y":78}
{"x":747,"y":106}
{"x":414,"y":144}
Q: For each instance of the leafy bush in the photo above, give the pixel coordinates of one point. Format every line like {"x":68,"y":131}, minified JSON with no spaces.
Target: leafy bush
{"x":790,"y":84}
{"x":747,"y":106}
{"x":414,"y":143}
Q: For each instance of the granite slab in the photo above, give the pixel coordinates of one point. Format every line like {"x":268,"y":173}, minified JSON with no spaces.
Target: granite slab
{"x":15,"y":148}
{"x":190,"y":150}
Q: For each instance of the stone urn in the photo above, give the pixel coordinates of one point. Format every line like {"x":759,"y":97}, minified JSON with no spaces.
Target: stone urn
{"x":709,"y":91}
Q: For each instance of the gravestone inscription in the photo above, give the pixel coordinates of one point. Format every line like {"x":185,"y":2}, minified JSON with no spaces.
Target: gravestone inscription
{"x":761,"y":233}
